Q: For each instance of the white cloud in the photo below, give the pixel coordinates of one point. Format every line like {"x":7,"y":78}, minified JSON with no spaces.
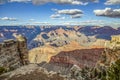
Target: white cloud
{"x":78,"y":3}
{"x":70,"y":11}
{"x":73,"y":13}
{"x":72,"y":2}
{"x":108,"y":12}
{"x":76,"y":16}
{"x":56,"y":16}
{"x":5,"y":1}
{"x":112,"y":2}
{"x":19,"y":0}
{"x":9,"y":19}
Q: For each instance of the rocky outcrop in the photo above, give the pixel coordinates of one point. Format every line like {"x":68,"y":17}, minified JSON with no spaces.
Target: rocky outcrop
{"x":62,"y":69}
{"x":9,"y":55}
{"x":22,"y":48}
{"x":13,"y":53}
{"x":32,"y":72}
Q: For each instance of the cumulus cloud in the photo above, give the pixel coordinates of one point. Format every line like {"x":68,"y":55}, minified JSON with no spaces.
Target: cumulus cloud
{"x":5,"y":1}
{"x":76,"y":16}
{"x":19,"y":0}
{"x":56,"y":16}
{"x":108,"y":12}
{"x":8,"y":19}
{"x":73,"y":13}
{"x":112,"y":2}
{"x":70,"y":11}
{"x":73,"y":2}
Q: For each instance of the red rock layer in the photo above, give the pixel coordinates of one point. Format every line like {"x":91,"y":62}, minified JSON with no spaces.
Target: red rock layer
{"x":82,"y":58}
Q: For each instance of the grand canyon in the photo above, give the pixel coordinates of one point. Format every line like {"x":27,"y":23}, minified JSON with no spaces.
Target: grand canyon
{"x":59,"y":39}
{"x":58,"y":50}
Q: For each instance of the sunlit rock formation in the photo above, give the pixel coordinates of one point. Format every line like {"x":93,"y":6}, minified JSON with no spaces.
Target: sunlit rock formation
{"x":13,"y":53}
{"x":114,"y":43}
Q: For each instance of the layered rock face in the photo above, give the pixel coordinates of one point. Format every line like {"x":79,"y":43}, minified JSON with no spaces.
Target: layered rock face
{"x":81,"y":58}
{"x":9,"y":54}
{"x":22,"y":49}
{"x":13,"y":53}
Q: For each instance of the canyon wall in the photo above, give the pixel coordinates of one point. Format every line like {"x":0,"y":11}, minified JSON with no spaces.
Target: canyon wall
{"x":13,"y":53}
{"x":81,"y":58}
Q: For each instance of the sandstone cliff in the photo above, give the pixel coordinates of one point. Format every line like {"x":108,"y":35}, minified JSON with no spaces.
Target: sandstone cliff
{"x":13,"y":54}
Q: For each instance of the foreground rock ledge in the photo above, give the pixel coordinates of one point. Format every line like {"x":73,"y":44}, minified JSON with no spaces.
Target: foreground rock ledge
{"x":31,"y":72}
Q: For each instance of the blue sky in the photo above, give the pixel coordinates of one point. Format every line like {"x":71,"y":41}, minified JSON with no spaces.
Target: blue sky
{"x":60,"y":12}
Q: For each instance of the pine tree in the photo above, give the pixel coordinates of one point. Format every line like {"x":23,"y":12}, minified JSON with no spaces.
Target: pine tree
{"x":114,"y":71}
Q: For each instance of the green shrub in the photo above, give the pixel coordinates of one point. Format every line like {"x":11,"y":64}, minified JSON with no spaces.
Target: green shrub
{"x":114,"y":71}
{"x":2,"y":70}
